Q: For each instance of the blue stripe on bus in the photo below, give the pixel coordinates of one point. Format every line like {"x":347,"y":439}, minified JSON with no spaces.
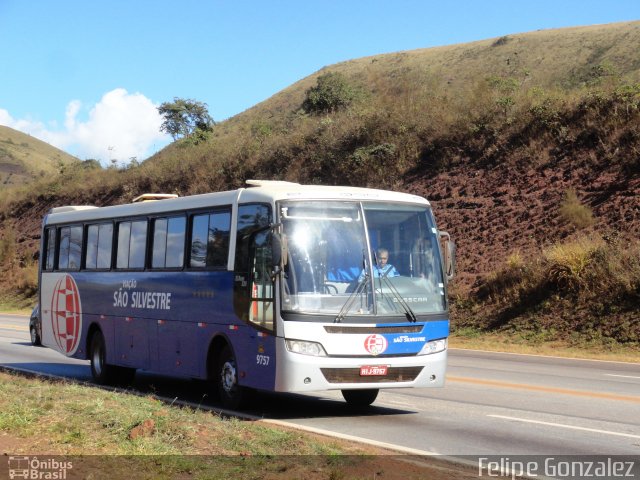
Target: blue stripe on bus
{"x":412,"y":343}
{"x":165,"y":321}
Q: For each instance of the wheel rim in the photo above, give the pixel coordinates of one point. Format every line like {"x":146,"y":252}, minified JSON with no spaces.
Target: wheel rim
{"x":228,"y":377}
{"x":33,"y":335}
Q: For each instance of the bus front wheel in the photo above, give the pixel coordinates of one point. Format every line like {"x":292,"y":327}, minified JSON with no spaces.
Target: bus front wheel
{"x":35,"y":338}
{"x":231,"y":395}
{"x":360,"y":398}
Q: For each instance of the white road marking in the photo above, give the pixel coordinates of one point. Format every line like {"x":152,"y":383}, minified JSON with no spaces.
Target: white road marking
{"x":621,"y":376}
{"x":572,"y":427}
{"x":353,"y":438}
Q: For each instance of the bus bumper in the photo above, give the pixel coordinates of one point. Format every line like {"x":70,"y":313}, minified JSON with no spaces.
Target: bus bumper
{"x":302,"y":373}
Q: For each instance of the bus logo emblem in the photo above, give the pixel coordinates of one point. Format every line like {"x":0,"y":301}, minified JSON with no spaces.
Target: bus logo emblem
{"x":66,"y":314}
{"x":375,"y":344}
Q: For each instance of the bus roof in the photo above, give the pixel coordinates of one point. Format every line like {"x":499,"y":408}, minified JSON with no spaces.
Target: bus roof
{"x":260,"y":191}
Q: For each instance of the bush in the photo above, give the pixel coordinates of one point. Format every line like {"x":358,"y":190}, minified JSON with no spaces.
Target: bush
{"x":586,"y":289}
{"x":604,"y":269}
{"x":570,"y":265}
{"x":331,"y":93}
{"x":374,"y":162}
{"x":574,"y":213}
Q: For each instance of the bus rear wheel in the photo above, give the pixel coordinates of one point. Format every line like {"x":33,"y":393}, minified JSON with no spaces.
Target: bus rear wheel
{"x":231,"y":395}
{"x":102,"y":372}
{"x":360,"y":398}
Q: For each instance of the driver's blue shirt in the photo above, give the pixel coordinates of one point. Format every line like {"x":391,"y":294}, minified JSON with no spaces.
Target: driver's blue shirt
{"x":387,"y":271}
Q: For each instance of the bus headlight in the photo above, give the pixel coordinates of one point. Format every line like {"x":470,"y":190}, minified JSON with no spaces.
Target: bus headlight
{"x":305,"y":348}
{"x":434,"y":346}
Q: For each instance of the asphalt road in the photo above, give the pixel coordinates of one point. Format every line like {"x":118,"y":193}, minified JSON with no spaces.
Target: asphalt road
{"x":493,"y":403}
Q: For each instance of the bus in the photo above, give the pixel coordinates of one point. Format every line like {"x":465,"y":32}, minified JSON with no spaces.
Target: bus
{"x":277,"y":286}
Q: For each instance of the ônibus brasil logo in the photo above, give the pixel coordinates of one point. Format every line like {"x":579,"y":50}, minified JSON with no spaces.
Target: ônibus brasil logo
{"x":66,"y":314}
{"x":375,"y":344}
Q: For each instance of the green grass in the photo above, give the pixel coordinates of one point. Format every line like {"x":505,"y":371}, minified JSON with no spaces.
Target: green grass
{"x":75,"y":419}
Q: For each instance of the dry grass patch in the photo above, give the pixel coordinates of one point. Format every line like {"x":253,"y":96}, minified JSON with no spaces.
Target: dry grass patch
{"x":574,"y":212}
{"x":504,"y":342}
{"x":583,"y":292}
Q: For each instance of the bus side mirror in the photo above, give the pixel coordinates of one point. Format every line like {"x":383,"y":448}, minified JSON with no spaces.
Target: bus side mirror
{"x":278,"y":251}
{"x":448,"y":248}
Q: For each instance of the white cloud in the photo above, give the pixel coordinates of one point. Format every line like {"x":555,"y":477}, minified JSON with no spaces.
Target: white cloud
{"x":120,"y":126}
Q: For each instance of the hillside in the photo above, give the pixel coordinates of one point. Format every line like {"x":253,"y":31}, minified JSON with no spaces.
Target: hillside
{"x":498,"y":134}
{"x":24,"y":158}
{"x":553,"y":60}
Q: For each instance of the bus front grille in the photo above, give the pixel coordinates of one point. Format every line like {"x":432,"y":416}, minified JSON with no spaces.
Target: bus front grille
{"x":370,"y":330}
{"x":352,"y":375}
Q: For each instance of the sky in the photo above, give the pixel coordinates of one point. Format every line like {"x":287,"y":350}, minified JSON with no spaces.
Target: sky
{"x":87,"y":76}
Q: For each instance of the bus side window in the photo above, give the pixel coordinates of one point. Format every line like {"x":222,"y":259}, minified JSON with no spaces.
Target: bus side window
{"x":105,"y":240}
{"x":98,"y":253}
{"x":176,"y":230}
{"x":63,"y":251}
{"x":124,"y":235}
{"x":253,"y":287}
{"x":75,"y":248}
{"x":168,"y":242}
{"x":210,"y":240}
{"x":251,"y":218}
{"x":138,"y":245}
{"x":70,"y":252}
{"x":218,"y":239}
{"x":261,"y":311}
{"x":132,"y":244}
{"x":51,"y":248}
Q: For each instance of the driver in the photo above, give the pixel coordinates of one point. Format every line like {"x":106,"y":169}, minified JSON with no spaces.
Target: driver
{"x":384,"y":269}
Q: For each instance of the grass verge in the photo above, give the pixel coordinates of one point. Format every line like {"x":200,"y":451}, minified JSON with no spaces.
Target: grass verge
{"x":15,"y":304}
{"x":111,"y":434}
{"x":470,"y":338}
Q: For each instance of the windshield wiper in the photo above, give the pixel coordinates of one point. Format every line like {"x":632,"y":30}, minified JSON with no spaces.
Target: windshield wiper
{"x":411,"y":316}
{"x":362,"y":283}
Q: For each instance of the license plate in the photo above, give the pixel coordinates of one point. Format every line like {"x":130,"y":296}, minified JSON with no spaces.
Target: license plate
{"x":373,"y":370}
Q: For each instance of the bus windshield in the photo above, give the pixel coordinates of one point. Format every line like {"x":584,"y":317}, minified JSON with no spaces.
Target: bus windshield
{"x":351,"y":259}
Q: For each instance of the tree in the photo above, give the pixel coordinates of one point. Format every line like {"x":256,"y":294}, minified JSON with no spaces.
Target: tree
{"x":91,"y":164}
{"x":331,"y":93}
{"x":184,"y":117}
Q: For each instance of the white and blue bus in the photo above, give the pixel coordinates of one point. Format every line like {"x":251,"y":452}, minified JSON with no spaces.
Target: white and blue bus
{"x":278,"y":286}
